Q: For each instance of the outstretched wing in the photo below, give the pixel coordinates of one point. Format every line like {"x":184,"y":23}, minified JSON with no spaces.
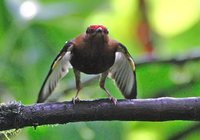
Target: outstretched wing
{"x":58,"y":70}
{"x":123,"y":72}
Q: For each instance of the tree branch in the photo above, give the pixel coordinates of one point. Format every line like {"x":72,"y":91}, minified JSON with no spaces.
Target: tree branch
{"x":170,"y":91}
{"x":185,"y":132}
{"x":15,"y":115}
{"x":193,"y":56}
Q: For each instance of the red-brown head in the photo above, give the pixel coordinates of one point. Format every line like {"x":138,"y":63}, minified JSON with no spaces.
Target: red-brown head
{"x":97,"y":33}
{"x":96,"y":29}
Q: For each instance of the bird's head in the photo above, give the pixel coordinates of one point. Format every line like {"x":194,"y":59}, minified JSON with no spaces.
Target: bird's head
{"x":97,"y":31}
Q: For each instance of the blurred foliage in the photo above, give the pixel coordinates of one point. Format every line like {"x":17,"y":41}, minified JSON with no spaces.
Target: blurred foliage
{"x":30,"y":41}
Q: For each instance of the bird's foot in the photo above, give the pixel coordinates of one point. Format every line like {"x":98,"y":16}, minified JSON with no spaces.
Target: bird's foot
{"x":75,"y":99}
{"x":113,"y":100}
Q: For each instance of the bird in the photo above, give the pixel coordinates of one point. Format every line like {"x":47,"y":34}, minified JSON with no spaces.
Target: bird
{"x":93,"y":52}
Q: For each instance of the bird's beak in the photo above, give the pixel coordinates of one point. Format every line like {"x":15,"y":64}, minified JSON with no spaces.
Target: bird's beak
{"x":99,"y":30}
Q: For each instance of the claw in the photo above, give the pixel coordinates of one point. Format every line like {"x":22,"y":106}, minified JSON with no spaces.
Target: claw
{"x":113,"y":100}
{"x":75,"y":99}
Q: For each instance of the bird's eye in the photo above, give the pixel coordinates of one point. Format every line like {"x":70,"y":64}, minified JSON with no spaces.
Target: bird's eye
{"x":106,"y":31}
{"x":89,"y":30}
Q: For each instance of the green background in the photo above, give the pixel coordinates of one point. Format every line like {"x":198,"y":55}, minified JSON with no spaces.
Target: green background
{"x":28,"y":45}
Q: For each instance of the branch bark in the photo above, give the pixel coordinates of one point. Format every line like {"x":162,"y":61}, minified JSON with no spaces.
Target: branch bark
{"x":15,"y":115}
{"x":170,"y":91}
{"x":181,"y":59}
{"x":185,"y":132}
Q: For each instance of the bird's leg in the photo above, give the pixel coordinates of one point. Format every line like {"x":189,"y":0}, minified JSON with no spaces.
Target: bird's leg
{"x":102,"y":85}
{"x":78,"y":85}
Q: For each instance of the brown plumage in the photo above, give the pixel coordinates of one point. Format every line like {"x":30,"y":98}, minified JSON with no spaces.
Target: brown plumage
{"x":93,"y":52}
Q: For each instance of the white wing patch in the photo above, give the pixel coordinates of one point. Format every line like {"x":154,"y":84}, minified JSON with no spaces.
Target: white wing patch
{"x":123,"y":71}
{"x":58,"y":70}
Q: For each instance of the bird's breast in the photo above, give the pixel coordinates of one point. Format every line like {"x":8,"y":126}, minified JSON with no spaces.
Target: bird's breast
{"x":92,"y":60}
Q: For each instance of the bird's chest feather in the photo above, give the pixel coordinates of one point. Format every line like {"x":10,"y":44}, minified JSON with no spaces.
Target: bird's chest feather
{"x":92,"y":59}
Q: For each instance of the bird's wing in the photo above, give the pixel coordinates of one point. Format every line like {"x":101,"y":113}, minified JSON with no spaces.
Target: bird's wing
{"x":58,"y":70}
{"x":123,"y":72}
